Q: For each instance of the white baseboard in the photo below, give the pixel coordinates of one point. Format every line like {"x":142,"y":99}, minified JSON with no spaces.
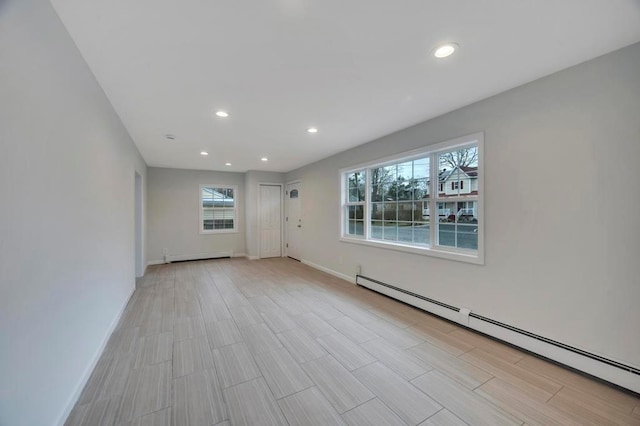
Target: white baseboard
{"x":154,"y":262}
{"x":87,"y":373}
{"x":253,"y":257}
{"x":239,"y":255}
{"x":588,"y":365}
{"x":329,"y":271}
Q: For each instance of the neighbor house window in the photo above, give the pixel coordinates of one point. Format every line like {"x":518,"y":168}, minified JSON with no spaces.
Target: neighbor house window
{"x":426,"y":201}
{"x":218,"y":209}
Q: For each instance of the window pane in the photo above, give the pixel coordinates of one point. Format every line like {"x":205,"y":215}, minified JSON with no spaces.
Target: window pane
{"x":390,"y":230}
{"x":458,"y":226}
{"x":421,"y":233}
{"x":390,"y":211}
{"x":377,"y":193}
{"x":458,"y":172}
{"x":405,"y":211}
{"x":390,"y":192}
{"x":355,"y":212}
{"x":405,"y":171}
{"x":420,"y":189}
{"x":356,"y":227}
{"x":376,"y":211}
{"x":207,"y":197}
{"x":421,"y":168}
{"x":355,"y":186}
{"x":376,"y":229}
{"x":404,"y":189}
{"x":405,"y":232}
{"x":381,"y":177}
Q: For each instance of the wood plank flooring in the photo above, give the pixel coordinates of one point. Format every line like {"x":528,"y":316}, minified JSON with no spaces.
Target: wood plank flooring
{"x":238,"y":342}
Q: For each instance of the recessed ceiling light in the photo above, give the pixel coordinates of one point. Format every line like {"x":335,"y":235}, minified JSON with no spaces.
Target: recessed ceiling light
{"x":222,"y":114}
{"x":170,"y":136}
{"x":227,"y":164}
{"x":264,"y":159}
{"x":205,"y":153}
{"x":445,"y":50}
{"x":312,"y":130}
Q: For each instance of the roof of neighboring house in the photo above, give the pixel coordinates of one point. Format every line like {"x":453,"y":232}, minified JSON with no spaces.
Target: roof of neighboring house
{"x":471,"y":172}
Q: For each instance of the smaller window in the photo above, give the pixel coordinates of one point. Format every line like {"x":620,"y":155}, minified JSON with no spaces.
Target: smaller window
{"x":293,"y":193}
{"x":454,"y":185}
{"x":218,"y":209}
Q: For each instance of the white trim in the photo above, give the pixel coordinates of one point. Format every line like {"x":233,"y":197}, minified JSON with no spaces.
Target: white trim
{"x":449,"y":253}
{"x":239,"y":255}
{"x":330,"y":271}
{"x":87,"y":373}
{"x":236,"y":197}
{"x":253,"y":257}
{"x":418,"y":152}
{"x":286,"y":214}
{"x":155,"y":262}
{"x":606,"y":372}
{"x":282,"y":223}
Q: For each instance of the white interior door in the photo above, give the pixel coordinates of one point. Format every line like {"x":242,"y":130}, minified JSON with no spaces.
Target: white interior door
{"x":270,"y":221}
{"x":293,"y":221}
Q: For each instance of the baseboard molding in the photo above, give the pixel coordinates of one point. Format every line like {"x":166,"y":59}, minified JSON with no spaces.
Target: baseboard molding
{"x":87,"y":373}
{"x":329,"y":271}
{"x":239,"y":255}
{"x":253,"y":257}
{"x":154,"y":262}
{"x":608,"y":373}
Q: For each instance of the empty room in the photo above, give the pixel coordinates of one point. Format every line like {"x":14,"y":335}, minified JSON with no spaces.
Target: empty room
{"x":302,"y":212}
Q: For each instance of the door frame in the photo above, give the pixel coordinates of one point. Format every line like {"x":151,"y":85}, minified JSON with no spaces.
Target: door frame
{"x":138,"y":209}
{"x":286,"y":214}
{"x":259,"y":236}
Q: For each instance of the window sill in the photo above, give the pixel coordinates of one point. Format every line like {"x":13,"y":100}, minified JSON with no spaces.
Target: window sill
{"x":219,"y":231}
{"x":457,"y":255}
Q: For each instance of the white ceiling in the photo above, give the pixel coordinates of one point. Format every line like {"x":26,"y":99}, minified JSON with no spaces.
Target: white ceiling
{"x":356,"y":69}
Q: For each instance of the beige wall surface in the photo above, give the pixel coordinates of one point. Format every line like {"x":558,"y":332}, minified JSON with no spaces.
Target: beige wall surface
{"x":561,"y":257}
{"x":67,"y":239}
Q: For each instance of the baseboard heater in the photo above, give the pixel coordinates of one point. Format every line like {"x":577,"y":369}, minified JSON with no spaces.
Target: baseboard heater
{"x":613,"y":363}
{"x":196,"y":256}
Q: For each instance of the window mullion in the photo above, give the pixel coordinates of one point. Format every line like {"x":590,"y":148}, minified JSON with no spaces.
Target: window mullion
{"x":367,"y":204}
{"x":433,"y":203}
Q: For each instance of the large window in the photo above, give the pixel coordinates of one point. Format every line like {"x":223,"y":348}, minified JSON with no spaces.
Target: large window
{"x":217,"y":209}
{"x":426,"y":201}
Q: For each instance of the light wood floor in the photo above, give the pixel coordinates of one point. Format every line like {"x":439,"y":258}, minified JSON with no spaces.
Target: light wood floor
{"x":275,"y":342}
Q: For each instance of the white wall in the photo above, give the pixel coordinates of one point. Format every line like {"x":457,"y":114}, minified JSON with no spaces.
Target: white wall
{"x":252,"y":179}
{"x":67,"y":168}
{"x":174,"y":213}
{"x":558,"y":263}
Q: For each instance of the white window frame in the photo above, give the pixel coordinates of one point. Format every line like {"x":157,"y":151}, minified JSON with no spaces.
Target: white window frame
{"x":346,"y":204}
{"x":234,"y":208}
{"x":432,"y":151}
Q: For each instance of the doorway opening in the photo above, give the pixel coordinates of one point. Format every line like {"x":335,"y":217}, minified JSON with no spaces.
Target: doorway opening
{"x":293,"y":220}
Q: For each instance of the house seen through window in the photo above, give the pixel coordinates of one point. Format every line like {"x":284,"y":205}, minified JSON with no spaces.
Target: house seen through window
{"x":427,"y":201}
